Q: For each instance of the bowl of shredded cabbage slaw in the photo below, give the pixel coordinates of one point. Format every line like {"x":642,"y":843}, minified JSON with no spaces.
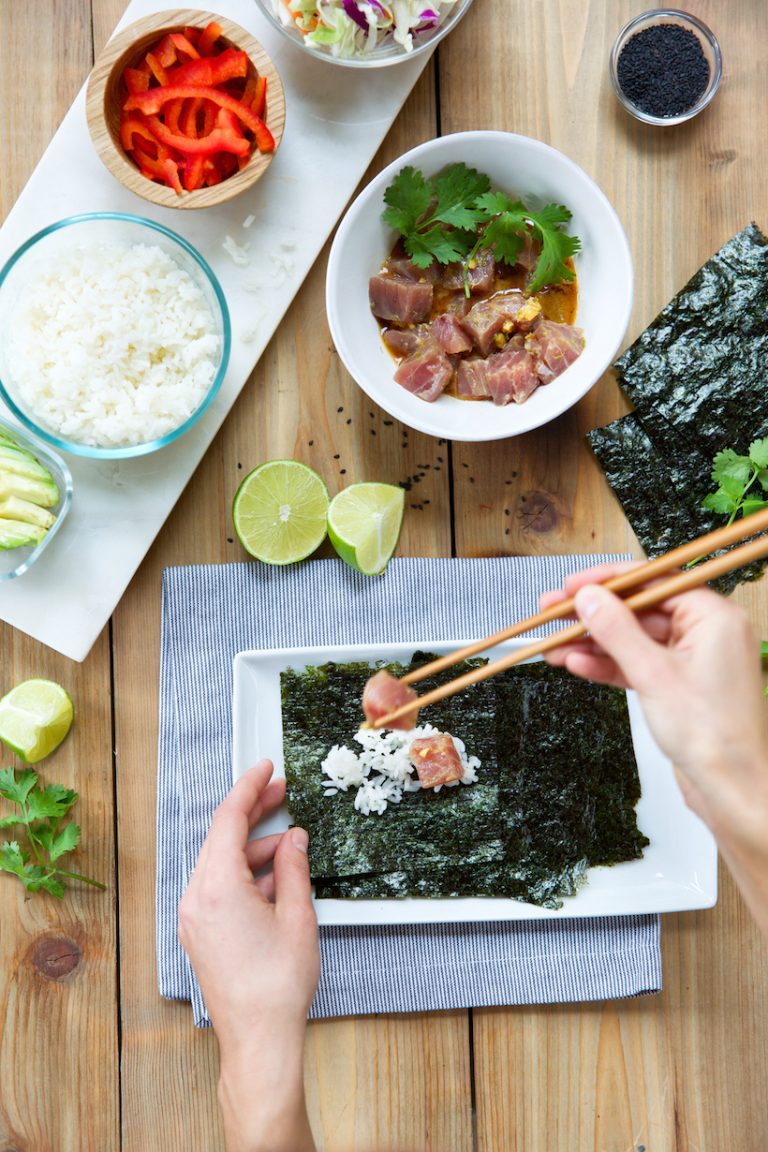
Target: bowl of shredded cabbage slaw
{"x":365,"y":33}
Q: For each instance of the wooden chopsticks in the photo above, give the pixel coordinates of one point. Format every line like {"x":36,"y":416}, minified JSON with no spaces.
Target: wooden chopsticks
{"x":635,"y":577}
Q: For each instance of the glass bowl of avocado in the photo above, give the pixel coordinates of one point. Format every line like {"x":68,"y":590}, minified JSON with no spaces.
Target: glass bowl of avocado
{"x":35,"y":495}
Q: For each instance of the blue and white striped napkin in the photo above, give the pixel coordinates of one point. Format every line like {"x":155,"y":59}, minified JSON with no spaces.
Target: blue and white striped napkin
{"x":210,"y":613}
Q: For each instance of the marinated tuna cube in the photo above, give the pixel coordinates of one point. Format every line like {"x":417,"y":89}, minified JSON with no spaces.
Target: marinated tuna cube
{"x":405,"y":341}
{"x":472,"y":379}
{"x":450,"y":335}
{"x":383,"y":694}
{"x":480,"y":274}
{"x":511,"y":373}
{"x":554,"y":347}
{"x":436,"y":760}
{"x":503,"y":313}
{"x":403,"y":301}
{"x":427,"y":373}
{"x":402,"y":266}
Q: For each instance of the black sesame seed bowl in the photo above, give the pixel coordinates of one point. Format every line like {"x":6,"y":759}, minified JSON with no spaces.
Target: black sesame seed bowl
{"x":665,"y":67}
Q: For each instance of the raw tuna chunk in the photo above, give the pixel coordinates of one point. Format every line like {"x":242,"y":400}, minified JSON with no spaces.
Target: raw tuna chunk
{"x":404,"y":341}
{"x":383,"y":694}
{"x":506,"y":311}
{"x":554,"y":347}
{"x":450,"y":335}
{"x":427,"y":372}
{"x":398,"y":299}
{"x":509,"y":375}
{"x":436,"y":760}
{"x":480,"y":278}
{"x":402,"y":266}
{"x":472,"y":379}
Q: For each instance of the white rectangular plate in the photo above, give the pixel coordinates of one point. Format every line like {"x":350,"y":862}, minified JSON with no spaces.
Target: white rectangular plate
{"x":677,"y":872}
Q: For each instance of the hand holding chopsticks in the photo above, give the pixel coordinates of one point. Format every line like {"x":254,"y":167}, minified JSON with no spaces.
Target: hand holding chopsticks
{"x":637,"y":577}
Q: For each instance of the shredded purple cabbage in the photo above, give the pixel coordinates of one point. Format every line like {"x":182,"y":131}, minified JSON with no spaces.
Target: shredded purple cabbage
{"x":354,"y":13}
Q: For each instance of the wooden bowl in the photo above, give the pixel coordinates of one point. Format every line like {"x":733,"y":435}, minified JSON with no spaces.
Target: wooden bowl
{"x":104,"y":96}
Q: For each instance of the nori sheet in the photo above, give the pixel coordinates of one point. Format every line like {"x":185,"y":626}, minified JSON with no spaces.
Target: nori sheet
{"x":557,"y":790}
{"x":698,"y":378}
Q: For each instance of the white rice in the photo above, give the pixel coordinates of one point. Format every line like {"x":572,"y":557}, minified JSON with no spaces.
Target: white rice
{"x":382,"y":771}
{"x":114,"y":345}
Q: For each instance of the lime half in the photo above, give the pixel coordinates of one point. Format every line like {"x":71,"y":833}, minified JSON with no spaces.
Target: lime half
{"x":280,"y":512}
{"x":364,"y":525}
{"x":35,"y":716}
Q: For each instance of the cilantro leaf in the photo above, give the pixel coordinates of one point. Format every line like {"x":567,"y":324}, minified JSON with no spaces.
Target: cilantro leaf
{"x":443,"y":246}
{"x":41,"y":811}
{"x":17,"y":788}
{"x":409,"y":197}
{"x":753,"y":504}
{"x":728,"y":465}
{"x":65,"y":841}
{"x":450,"y":217}
{"x":457,"y":188}
{"x":758,"y":452}
{"x":556,"y":247}
{"x":13,"y":858}
{"x":50,"y":802}
{"x":53,"y":886}
{"x":720,"y":502}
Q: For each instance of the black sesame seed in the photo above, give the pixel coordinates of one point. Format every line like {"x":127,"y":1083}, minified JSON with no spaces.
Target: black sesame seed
{"x":341,"y":409}
{"x":310,"y":442}
{"x":337,"y":456}
{"x":349,"y":421}
{"x":342,"y":472}
{"x":662,"y":70}
{"x":230,"y":540}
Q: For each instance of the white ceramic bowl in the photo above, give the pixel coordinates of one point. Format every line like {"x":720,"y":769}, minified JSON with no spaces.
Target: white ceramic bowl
{"x":537,"y":174}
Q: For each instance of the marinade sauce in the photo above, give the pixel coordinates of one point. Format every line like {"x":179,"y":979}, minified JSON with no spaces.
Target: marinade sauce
{"x":663,"y":70}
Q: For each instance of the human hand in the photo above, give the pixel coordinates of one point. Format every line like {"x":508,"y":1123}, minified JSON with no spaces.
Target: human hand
{"x":694,"y":663}
{"x":252,"y":942}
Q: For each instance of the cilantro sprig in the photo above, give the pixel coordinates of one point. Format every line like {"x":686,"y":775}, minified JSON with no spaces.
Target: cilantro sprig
{"x":452,"y":216}
{"x":41,"y":812}
{"x":740,"y":481}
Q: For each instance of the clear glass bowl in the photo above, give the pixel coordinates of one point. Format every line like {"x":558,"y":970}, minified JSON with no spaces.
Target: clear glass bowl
{"x":709,"y":46}
{"x":41,"y":252}
{"x":15,"y":561}
{"x":387,"y":52}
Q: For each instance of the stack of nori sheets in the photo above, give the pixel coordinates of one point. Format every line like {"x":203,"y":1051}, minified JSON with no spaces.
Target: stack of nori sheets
{"x":698,"y":378}
{"x":556,"y":792}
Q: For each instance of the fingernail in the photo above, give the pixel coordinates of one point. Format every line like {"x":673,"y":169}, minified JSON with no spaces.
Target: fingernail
{"x":299,"y":839}
{"x":587,"y":601}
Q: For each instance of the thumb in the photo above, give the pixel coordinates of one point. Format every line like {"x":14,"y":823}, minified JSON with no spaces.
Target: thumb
{"x":615,"y":629}
{"x":291,"y":871}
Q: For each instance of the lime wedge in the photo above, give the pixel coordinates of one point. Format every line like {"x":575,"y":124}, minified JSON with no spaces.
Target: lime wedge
{"x":280,"y":512}
{"x":364,"y":525}
{"x":35,"y":716}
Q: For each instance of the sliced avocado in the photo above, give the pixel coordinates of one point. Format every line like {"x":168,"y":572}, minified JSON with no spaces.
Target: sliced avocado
{"x":16,"y":508}
{"x":38,"y":491}
{"x":22,"y":463}
{"x":14,"y":534}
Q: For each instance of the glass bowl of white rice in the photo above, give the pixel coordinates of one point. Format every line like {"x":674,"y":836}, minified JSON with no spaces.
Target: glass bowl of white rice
{"x":365,"y":33}
{"x":114,"y":335}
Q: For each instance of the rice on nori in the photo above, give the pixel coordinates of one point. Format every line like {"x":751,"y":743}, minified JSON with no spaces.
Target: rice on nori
{"x":555,"y":794}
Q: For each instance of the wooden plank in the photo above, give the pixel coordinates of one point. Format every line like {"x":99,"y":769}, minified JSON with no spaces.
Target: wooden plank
{"x":57,"y":959}
{"x":299,"y":403}
{"x":678,"y":1070}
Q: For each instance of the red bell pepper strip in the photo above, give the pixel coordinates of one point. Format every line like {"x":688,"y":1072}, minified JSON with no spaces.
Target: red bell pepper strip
{"x":255,"y":94}
{"x":158,"y":71}
{"x":211,"y":70}
{"x":188,"y":119}
{"x":208,"y":38}
{"x":222,"y":139}
{"x":184,"y":45}
{"x":173,"y":111}
{"x":265,"y":141}
{"x":194,"y":170}
{"x":152,"y":101}
{"x":136,"y":80}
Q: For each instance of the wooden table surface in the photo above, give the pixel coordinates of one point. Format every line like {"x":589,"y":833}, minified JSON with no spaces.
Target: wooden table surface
{"x":91,"y":1058}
